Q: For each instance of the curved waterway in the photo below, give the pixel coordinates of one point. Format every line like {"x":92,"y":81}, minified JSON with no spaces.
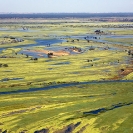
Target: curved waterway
{"x":103,"y":110}
{"x":57,"y":86}
{"x":100,"y":38}
{"x":48,"y":43}
{"x":38,"y":43}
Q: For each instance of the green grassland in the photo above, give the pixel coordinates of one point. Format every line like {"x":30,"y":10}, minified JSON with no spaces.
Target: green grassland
{"x":62,"y":108}
{"x":57,"y":108}
{"x":123,"y":32}
{"x":121,"y":40}
{"x":75,"y":68}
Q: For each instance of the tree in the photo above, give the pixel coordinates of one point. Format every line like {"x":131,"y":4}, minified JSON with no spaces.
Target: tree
{"x":35,"y":58}
{"x":50,"y":55}
{"x":5,"y":65}
{"x":27,"y":56}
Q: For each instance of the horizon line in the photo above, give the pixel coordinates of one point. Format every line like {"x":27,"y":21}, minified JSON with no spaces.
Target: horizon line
{"x":60,"y":12}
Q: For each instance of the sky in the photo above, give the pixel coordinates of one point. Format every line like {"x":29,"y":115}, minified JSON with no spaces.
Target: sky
{"x":65,"y":6}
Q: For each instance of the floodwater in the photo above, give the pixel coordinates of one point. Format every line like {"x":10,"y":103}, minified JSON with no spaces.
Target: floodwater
{"x":56,"y":86}
{"x":37,"y":44}
{"x":102,"y":110}
{"x":7,"y":79}
{"x":100,"y":38}
{"x":49,"y":43}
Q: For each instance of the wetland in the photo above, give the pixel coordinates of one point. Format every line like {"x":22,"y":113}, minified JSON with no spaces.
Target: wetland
{"x":66,"y":76}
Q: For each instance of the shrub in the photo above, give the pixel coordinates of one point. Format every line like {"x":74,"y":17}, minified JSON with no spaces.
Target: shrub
{"x":5,"y":65}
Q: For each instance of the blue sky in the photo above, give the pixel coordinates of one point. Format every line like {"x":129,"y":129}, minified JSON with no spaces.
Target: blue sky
{"x":74,"y":6}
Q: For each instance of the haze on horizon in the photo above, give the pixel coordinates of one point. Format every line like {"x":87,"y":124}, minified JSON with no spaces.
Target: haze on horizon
{"x":65,"y":6}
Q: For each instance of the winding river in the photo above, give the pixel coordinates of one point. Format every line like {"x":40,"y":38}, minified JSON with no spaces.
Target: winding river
{"x":57,"y":86}
{"x":42,"y":42}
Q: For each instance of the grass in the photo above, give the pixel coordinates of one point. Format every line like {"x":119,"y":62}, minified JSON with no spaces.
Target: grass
{"x":77,"y":70}
{"x":123,"y":32}
{"x":55,"y":109}
{"x":121,"y":40}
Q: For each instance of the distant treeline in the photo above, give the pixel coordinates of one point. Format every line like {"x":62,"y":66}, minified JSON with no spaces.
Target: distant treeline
{"x":65,"y":15}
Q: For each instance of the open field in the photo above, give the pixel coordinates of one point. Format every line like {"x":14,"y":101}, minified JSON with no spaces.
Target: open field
{"x":63,"y":109}
{"x":36,"y":55}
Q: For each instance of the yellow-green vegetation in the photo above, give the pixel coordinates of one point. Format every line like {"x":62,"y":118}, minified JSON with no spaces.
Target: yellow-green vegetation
{"x":87,"y":66}
{"x":55,"y":109}
{"x":121,"y":40}
{"x":122,"y":32}
{"x":96,"y":107}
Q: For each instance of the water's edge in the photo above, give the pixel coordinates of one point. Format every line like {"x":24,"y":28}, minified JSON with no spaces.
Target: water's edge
{"x":56,"y":86}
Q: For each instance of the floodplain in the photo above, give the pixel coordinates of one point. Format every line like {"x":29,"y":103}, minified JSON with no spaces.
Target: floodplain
{"x":66,"y":76}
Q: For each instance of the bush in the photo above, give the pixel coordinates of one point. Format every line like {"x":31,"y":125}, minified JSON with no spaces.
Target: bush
{"x":5,"y":65}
